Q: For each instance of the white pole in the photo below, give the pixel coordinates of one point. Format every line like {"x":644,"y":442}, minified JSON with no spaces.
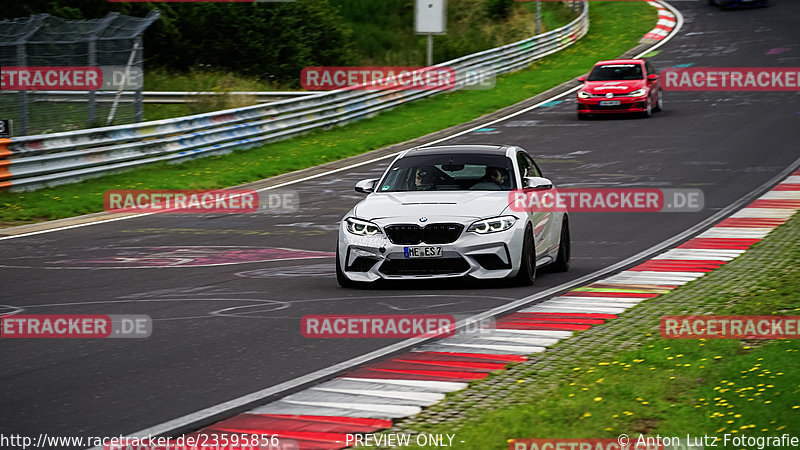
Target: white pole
{"x":430,"y":50}
{"x":538,"y":16}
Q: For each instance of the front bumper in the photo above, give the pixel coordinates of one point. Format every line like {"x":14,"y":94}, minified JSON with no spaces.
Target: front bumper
{"x":626,"y":105}
{"x":489,"y":256}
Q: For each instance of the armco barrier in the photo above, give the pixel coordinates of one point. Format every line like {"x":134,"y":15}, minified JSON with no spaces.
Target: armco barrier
{"x":45,"y":160}
{"x":157,"y":96}
{"x":5,"y":174}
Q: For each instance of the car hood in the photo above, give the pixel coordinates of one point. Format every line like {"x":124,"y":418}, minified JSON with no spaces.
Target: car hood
{"x":467,"y":204}
{"x":614,"y":87}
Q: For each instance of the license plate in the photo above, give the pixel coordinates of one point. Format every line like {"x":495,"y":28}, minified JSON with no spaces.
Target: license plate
{"x":609,"y":103}
{"x":422,"y":252}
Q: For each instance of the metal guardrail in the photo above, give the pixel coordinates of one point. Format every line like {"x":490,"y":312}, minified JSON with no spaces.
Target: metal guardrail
{"x":32,"y":162}
{"x":156,"y":96}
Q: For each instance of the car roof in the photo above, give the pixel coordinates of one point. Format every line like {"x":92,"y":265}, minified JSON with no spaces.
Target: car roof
{"x":620,"y":61}
{"x":484,"y":149}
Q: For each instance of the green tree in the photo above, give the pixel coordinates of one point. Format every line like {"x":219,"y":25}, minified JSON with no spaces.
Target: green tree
{"x":499,"y":9}
{"x":269,"y":40}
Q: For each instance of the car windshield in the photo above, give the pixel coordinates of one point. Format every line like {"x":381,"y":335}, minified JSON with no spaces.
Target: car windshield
{"x":608,"y":72}
{"x":449,"y":172}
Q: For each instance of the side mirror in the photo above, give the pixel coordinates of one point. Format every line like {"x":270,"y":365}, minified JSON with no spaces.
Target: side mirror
{"x":652,"y":77}
{"x":536,"y":183}
{"x":366,"y":186}
{"x":581,"y":79}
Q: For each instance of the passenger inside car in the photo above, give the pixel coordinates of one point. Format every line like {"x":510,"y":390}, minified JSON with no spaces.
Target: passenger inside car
{"x":495,"y":178}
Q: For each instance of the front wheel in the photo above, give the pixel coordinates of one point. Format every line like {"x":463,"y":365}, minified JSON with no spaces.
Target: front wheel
{"x":527,"y":264}
{"x":648,"y":110}
{"x":341,"y":278}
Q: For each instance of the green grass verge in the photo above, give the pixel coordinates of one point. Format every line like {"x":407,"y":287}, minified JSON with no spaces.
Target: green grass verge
{"x":615,"y":27}
{"x":382,"y":35}
{"x":666,"y":387}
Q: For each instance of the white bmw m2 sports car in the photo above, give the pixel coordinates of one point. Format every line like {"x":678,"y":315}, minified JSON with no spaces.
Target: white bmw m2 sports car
{"x":443,"y":212}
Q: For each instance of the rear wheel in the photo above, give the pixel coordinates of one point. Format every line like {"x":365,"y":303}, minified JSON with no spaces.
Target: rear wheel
{"x":561,"y":263}
{"x":527,"y":265}
{"x":660,"y":102}
{"x":582,"y":116}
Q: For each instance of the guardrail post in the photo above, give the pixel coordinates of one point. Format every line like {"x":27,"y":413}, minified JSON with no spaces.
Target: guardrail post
{"x":5,"y":163}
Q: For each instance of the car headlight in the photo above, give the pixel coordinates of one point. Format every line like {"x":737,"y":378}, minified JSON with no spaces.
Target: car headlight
{"x":361,"y":227}
{"x":582,"y":94}
{"x":493,"y":225}
{"x":638,"y":93}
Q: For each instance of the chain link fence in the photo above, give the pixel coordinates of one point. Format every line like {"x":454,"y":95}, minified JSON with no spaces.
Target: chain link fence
{"x":98,"y":58}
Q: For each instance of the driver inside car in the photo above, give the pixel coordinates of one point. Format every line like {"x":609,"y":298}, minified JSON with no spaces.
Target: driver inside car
{"x":424,"y":179}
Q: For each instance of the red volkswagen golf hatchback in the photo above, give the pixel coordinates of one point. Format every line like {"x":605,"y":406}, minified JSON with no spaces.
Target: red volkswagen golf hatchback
{"x":620,"y":86}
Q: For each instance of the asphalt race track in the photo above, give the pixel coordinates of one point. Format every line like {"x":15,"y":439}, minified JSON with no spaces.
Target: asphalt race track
{"x":227,"y":292}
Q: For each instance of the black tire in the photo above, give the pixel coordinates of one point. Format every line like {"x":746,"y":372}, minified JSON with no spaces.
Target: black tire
{"x":649,"y":111}
{"x":527,"y":270}
{"x":582,"y":116}
{"x":341,"y":278}
{"x":561,"y":263}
